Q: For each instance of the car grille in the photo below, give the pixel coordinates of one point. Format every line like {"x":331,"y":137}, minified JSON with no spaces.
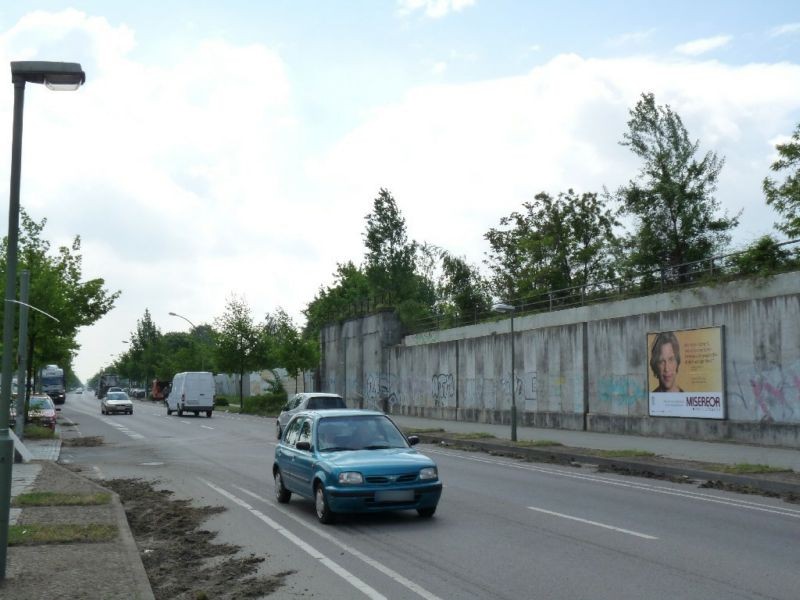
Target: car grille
{"x":385,"y":479}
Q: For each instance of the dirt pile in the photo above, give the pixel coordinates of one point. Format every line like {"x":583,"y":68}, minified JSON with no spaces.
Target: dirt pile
{"x":169,"y":536}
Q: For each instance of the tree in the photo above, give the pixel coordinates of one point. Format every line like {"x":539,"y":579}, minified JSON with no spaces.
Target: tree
{"x":240,"y":343}
{"x":56,"y":287}
{"x":289,"y":349}
{"x":389,"y":258}
{"x":554,"y":244}
{"x":762,"y":257}
{"x":350,"y":287}
{"x":678,"y":219}
{"x":462,"y":293}
{"x":786,"y":196}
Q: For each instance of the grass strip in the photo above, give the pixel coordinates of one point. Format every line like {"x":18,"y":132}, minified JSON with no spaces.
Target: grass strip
{"x":536,"y":443}
{"x":625,"y":453}
{"x":91,"y":440}
{"x":748,"y":469}
{"x":415,"y":431}
{"x":475,"y":435}
{"x":33,"y":534}
{"x":61,"y":499}
{"x":34,"y":432}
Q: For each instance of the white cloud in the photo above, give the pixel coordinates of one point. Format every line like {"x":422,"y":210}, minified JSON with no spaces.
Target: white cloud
{"x":439,"y":67}
{"x":786,"y":29}
{"x":701,"y":46}
{"x":459,"y":157}
{"x":434,"y":9}
{"x":631,"y":38}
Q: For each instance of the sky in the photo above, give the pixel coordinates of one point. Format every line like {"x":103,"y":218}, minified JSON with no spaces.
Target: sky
{"x":234,"y":148}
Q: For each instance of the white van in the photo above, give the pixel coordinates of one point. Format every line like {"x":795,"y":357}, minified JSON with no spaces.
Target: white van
{"x":191,"y":392}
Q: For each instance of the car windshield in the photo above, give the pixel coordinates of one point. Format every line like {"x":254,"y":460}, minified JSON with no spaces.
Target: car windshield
{"x":369,"y":432}
{"x":40,"y":403}
{"x":117,"y":396}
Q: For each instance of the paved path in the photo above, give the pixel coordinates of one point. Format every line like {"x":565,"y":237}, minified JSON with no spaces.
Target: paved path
{"x":714,"y":452}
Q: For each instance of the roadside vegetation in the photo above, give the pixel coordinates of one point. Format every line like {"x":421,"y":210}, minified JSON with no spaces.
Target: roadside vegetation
{"x":35,"y":432}
{"x":625,"y":453}
{"x":747,"y":469}
{"x":61,"y":499}
{"x":38,"y":533}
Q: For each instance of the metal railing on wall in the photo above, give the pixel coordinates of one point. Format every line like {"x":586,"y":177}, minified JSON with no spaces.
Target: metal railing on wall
{"x":709,"y":271}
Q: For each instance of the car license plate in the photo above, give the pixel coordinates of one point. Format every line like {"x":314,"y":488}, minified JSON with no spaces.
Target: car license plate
{"x":394,"y":496}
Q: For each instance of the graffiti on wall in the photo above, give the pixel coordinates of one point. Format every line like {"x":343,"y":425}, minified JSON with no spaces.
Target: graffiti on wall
{"x":621,"y":392}
{"x":381,"y":391}
{"x":443,"y":389}
{"x":769,"y":395}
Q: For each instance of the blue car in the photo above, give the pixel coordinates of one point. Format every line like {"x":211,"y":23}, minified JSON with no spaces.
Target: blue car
{"x":353,"y":461}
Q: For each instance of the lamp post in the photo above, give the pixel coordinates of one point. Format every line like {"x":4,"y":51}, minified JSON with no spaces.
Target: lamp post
{"x":56,"y":76}
{"x":202,"y":358}
{"x":508,"y":308}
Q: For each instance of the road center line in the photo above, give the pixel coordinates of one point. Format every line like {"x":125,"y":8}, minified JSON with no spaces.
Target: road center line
{"x":206,"y":427}
{"x":595,"y":523}
{"x":360,"y":555}
{"x":313,"y":552}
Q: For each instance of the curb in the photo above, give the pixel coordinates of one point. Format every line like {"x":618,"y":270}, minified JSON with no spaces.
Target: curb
{"x":639,"y":466}
{"x":142,"y":589}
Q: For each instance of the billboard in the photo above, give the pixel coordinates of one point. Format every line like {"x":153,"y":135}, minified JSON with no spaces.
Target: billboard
{"x":685,"y":373}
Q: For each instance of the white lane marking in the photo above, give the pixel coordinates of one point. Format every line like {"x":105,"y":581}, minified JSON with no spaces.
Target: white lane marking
{"x":185,"y":422}
{"x":123,"y":429}
{"x":206,"y":427}
{"x":360,"y":555}
{"x":645,"y":487}
{"x":595,"y":523}
{"x":313,"y":552}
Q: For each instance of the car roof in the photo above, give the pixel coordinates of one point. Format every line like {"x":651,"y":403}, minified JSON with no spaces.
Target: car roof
{"x":340,"y":412}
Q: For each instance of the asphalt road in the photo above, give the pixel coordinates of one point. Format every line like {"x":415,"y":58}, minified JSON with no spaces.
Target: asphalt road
{"x":504,"y":529}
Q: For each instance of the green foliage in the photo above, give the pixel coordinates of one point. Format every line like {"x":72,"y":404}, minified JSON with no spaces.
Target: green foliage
{"x":762,"y":257}
{"x":56,"y":287}
{"x":462,"y":293}
{"x":785,"y":198}
{"x":221,"y":401}
{"x":390,"y":257}
{"x":268,"y":405}
{"x":349,"y":288}
{"x":678,"y":218}
{"x":241,"y":344}
{"x":555,"y":243}
{"x":288,"y":348}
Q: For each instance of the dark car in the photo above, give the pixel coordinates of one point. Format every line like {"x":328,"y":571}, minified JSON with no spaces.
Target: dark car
{"x":353,"y":461}
{"x":42,"y":411}
{"x":306,"y":401}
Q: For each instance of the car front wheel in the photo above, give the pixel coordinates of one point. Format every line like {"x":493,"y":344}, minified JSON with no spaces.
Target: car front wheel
{"x":324,"y":512}
{"x":282,"y":495}
{"x":426,"y":513}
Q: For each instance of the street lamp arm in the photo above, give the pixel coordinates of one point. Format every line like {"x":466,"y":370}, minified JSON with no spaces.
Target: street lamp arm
{"x":32,"y":307}
{"x":172,"y":314}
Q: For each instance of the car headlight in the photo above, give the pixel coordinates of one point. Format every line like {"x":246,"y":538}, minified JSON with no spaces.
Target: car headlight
{"x":351,"y":478}
{"x":428,"y":473}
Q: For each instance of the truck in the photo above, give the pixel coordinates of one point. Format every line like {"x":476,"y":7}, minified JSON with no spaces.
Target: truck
{"x":53,"y":382}
{"x":107,"y":380}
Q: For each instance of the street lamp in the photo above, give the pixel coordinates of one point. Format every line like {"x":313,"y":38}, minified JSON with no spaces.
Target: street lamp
{"x":56,"y":76}
{"x":202,"y":358}
{"x":508,"y":308}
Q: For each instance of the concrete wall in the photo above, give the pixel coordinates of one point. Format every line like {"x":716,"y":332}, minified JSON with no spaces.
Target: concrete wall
{"x":583,"y":368}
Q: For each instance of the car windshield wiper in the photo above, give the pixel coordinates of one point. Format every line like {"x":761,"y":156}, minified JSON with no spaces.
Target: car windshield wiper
{"x":378,"y":447}
{"x":335,"y":449}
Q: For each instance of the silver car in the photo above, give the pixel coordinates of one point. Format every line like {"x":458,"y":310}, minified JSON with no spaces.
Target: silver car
{"x":115,"y":402}
{"x":306,"y":401}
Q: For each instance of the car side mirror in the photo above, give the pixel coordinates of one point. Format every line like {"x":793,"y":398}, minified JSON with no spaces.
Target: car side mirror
{"x":413,"y":440}
{"x":303,"y":445}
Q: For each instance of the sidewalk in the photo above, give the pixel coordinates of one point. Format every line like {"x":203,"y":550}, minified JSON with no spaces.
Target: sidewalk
{"x":712,"y":452}
{"x":99,"y":570}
